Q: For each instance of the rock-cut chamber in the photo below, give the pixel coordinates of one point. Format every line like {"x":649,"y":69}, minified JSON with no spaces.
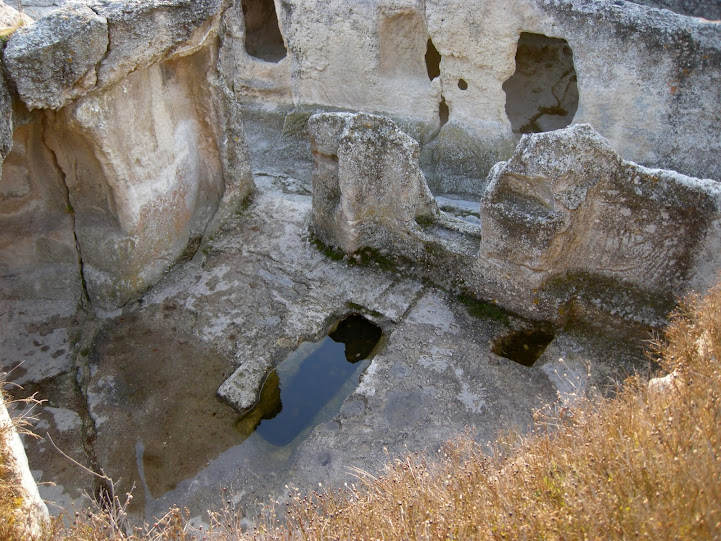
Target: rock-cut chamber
{"x":263,"y":38}
{"x":542,"y":95}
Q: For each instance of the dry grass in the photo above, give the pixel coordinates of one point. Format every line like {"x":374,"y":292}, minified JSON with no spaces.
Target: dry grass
{"x":12,"y":525}
{"x":10,"y":496}
{"x":643,"y":465}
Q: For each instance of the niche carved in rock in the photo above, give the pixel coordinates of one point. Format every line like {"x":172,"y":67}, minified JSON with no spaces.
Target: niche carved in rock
{"x":263,"y":39}
{"x":542,"y":95}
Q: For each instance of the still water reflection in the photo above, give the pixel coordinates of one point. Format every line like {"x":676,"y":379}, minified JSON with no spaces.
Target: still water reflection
{"x":303,"y":384}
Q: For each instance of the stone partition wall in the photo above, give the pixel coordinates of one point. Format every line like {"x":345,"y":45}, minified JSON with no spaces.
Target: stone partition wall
{"x":568,"y":228}
{"x":367,"y":185}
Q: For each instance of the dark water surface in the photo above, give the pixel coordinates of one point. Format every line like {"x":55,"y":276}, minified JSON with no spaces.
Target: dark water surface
{"x":306,"y":387}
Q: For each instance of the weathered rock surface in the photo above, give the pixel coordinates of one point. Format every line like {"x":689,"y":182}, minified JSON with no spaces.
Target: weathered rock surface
{"x":373,"y":58}
{"x":567,"y":207}
{"x":67,"y":53}
{"x":55,"y":59}
{"x":11,"y":19}
{"x":565,"y":221}
{"x":367,"y":184}
{"x":6,"y":121}
{"x":38,"y":255}
{"x":141,"y":195}
{"x":36,"y":9}
{"x":134,"y":156}
{"x":143,"y":33}
{"x":147,"y":145}
{"x":708,"y":9}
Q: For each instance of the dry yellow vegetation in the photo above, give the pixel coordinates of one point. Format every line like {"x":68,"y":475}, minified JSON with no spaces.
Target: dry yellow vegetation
{"x":645,"y":464}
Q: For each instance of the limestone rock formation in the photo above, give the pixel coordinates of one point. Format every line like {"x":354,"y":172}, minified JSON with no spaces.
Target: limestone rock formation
{"x":367,"y":184}
{"x":147,"y":147}
{"x":566,"y":206}
{"x":11,"y":19}
{"x":443,"y":73}
{"x":144,"y":193}
{"x":55,"y":59}
{"x":708,"y":9}
{"x":38,"y":254}
{"x":567,"y":225}
{"x":6,"y":121}
{"x":144,"y":32}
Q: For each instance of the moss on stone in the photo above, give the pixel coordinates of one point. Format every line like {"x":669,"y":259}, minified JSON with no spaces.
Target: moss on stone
{"x":331,"y":252}
{"x":482,"y":309}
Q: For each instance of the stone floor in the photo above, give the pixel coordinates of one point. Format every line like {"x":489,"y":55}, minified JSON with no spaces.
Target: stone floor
{"x":134,"y":391}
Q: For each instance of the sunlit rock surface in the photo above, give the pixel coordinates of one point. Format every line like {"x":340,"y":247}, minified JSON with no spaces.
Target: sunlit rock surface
{"x":31,"y":515}
{"x":566,"y":223}
{"x":567,"y":208}
{"x":55,"y":59}
{"x":367,"y":184}
{"x":138,"y":279}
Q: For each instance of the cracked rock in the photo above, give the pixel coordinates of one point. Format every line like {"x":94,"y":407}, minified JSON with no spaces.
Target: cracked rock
{"x":53,"y":61}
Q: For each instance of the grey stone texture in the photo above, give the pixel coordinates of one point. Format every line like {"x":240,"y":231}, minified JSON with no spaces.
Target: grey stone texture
{"x":367,"y":183}
{"x":708,"y":9}
{"x":6,"y":121}
{"x":566,"y":221}
{"x":127,"y":176}
{"x":55,"y":59}
{"x":147,"y":151}
{"x":566,"y":207}
{"x":144,"y":32}
{"x":641,"y":74}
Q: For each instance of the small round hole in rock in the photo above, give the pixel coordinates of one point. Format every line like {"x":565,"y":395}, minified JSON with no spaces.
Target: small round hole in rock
{"x":462,"y":84}
{"x":523,"y":347}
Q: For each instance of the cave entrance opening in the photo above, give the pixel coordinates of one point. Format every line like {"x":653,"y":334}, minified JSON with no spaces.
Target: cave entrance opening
{"x":263,"y":39}
{"x":542,"y":95}
{"x":312,"y":383}
{"x":524,"y":347}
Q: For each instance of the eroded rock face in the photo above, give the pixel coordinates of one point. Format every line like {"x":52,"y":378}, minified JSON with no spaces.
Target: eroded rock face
{"x":640,"y":74}
{"x":566,"y":221}
{"x":32,"y":513}
{"x":6,"y":121}
{"x":144,"y":193}
{"x":367,"y":184}
{"x":566,"y":208}
{"x":708,"y":9}
{"x":566,"y":203}
{"x":145,"y":32}
{"x":56,"y":59}
{"x":147,"y":147}
{"x":38,"y":257}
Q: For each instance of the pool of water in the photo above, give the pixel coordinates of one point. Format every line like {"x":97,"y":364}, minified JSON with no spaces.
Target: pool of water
{"x":313,"y":377}
{"x":185,"y":451}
